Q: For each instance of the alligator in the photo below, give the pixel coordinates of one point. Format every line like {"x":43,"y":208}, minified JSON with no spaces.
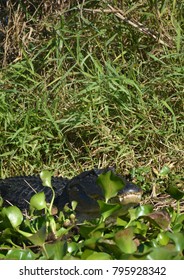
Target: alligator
{"x":82,"y":188}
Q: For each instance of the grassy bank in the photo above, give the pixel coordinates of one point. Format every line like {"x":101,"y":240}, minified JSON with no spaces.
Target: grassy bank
{"x":81,"y":87}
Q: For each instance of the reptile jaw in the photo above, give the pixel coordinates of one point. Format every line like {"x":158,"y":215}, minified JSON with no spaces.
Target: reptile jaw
{"x":130,"y":198}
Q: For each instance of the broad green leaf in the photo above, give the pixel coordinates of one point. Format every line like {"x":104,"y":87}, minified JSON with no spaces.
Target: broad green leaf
{"x":163,"y":253}
{"x":108,"y":209}
{"x":177,"y":228}
{"x":140,"y":227}
{"x":38,"y":202}
{"x":39,"y":237}
{"x":124,"y":240}
{"x":85,"y":230}
{"x":2,"y":257}
{"x":160,"y":218}
{"x":62,"y":231}
{"x":91,"y":242}
{"x":92,"y":255}
{"x":97,"y":231}
{"x":121,"y":222}
{"x":99,"y":256}
{"x":20,"y":254}
{"x":140,"y":211}
{"x":110,"y":184}
{"x":73,"y":247}
{"x":46,"y":176}
{"x":163,"y":239}
{"x":180,"y":218}
{"x":70,"y":257}
{"x":175,"y":193}
{"x":178,"y":239}
{"x":56,"y":250}
{"x":14,"y":215}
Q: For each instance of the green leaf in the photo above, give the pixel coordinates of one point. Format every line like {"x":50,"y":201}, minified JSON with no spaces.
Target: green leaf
{"x":179,"y":218}
{"x":121,"y":222}
{"x":107,"y":209}
{"x":140,"y":211}
{"x":14,"y":215}
{"x":73,"y":247}
{"x":175,"y":193}
{"x":56,"y":251}
{"x":24,"y":233}
{"x":74,"y":205}
{"x":46,"y":176}
{"x":20,"y":254}
{"x":39,"y":237}
{"x":163,"y":253}
{"x":110,"y":184}
{"x":52,"y":224}
{"x":177,"y":228}
{"x":85,"y":230}
{"x":37,"y":201}
{"x":178,"y":239}
{"x":164,"y":171}
{"x":1,"y":201}
{"x":62,"y":231}
{"x":124,"y":240}
{"x":92,"y":255}
{"x":91,"y":242}
{"x":163,"y":239}
{"x":160,"y":218}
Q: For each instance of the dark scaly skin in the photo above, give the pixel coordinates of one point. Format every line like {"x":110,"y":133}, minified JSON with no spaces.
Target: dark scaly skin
{"x":82,"y":188}
{"x":19,"y":190}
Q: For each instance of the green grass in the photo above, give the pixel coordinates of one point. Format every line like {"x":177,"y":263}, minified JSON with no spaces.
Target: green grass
{"x":81,"y":89}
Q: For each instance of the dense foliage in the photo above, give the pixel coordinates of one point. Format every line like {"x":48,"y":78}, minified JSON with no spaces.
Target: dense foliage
{"x":138,"y":233}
